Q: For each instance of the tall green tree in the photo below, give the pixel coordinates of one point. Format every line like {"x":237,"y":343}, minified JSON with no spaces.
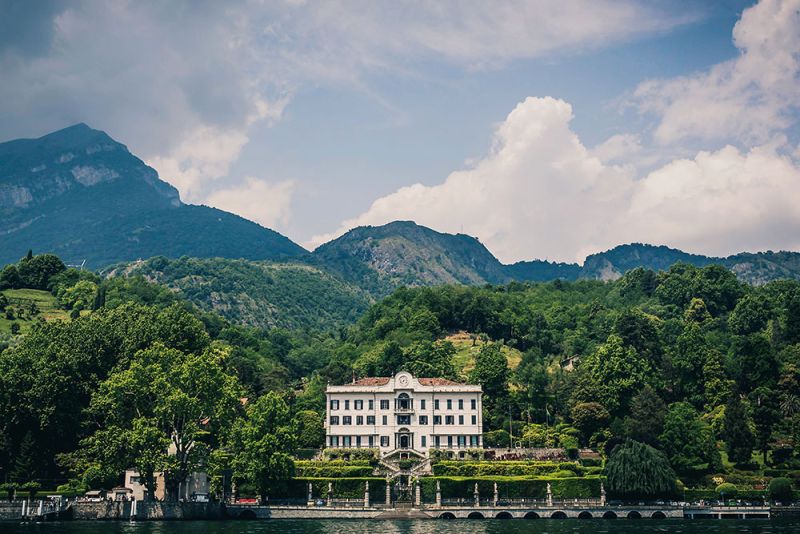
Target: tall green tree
{"x":765,"y":406}
{"x":688,"y":441}
{"x":491,"y":372}
{"x":646,"y":421}
{"x":736,"y":431}
{"x":262,"y":444}
{"x":637,"y":471}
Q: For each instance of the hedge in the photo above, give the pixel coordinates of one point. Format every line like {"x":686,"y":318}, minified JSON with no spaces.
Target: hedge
{"x":343,"y":488}
{"x":507,"y":468}
{"x":351,"y":454}
{"x":512,"y":487}
{"x":335,"y":471}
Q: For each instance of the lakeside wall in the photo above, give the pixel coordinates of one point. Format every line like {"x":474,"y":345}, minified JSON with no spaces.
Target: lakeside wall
{"x":163,"y":511}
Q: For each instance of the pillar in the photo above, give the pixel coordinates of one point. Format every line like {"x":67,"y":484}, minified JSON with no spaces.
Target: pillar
{"x":438,"y":495}
{"x":477,"y":496}
{"x":366,"y":494}
{"x":496,"y":496}
{"x":418,"y":494}
{"x":310,"y":493}
{"x":388,"y":492}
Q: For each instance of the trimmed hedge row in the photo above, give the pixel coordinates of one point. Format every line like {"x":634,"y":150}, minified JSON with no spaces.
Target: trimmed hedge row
{"x":512,"y":487}
{"x":334,"y":471}
{"x":343,"y":488}
{"x":509,"y":468}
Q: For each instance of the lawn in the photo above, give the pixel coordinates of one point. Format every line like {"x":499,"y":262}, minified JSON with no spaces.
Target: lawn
{"x":22,"y":299}
{"x":467,"y":347}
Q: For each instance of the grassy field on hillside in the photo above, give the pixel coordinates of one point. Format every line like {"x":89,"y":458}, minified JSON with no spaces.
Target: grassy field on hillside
{"x":467,"y":347}
{"x":20,"y":301}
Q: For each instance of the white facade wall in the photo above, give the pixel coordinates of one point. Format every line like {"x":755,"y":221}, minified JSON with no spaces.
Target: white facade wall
{"x":404,"y":413}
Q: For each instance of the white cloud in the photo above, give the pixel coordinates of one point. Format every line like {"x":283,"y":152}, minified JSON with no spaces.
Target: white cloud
{"x":183,"y":82}
{"x":747,"y":98}
{"x":539,"y":193}
{"x":266,"y":203}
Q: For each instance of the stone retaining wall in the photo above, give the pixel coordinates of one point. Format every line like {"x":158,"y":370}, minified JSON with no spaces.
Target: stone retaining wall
{"x":10,"y":510}
{"x":159,"y":511}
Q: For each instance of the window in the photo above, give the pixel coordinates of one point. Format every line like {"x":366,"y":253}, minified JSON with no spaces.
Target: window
{"x":334,"y":441}
{"x":436,"y":404}
{"x":384,"y":441}
{"x":436,"y":441}
{"x":474,"y":404}
{"x":450,"y":442}
{"x":359,"y":419}
{"x":346,"y":441}
{"x":384,"y":404}
{"x":423,"y":419}
{"x":347,"y":420}
{"x":334,"y":405}
{"x":384,"y":420}
{"x":462,"y":441}
{"x":460,"y":419}
{"x":346,"y":404}
{"x":424,"y":441}
{"x":370,"y":441}
{"x":371,"y":404}
{"x":403,"y":419}
{"x":334,"y":420}
{"x":448,"y":420}
{"x":358,"y":442}
{"x":474,"y":419}
{"x":449,"y":404}
{"x":358,"y":405}
{"x":371,"y":419}
{"x":403,"y":402}
{"x":437,"y":419}
{"x":460,"y":404}
{"x":473,"y":441}
{"x":422,"y":404}
{"x":135,"y":480}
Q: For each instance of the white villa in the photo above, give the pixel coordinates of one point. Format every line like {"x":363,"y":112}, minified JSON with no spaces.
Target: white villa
{"x":404,"y":414}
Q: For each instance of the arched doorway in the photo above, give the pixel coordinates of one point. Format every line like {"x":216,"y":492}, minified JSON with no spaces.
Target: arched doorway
{"x":584,"y":515}
{"x":404,"y":441}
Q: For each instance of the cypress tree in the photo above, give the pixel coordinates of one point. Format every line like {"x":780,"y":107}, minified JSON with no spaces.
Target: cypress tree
{"x":736,"y":432}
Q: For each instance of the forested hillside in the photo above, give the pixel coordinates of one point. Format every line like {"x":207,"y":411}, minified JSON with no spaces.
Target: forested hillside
{"x":678,"y":360}
{"x":257,"y":293}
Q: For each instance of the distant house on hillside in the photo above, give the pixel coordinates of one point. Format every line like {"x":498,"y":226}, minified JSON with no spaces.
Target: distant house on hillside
{"x":404,"y":415}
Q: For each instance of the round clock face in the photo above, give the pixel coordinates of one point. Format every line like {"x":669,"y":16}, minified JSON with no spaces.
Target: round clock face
{"x":403,"y":380}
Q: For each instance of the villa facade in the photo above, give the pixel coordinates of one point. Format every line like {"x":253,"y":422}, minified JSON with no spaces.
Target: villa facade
{"x":404,"y":414}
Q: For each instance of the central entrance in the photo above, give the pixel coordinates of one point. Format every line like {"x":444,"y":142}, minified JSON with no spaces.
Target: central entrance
{"x":404,"y":439}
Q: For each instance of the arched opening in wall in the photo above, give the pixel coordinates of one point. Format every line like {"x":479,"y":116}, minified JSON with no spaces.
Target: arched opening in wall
{"x":447,"y":515}
{"x":247,"y":514}
{"x":475,"y":515}
{"x":584,"y":515}
{"x":558,"y":515}
{"x":609,"y":515}
{"x":659,"y":515}
{"x":504,"y":515}
{"x":531,"y":515}
{"x":633,"y":514}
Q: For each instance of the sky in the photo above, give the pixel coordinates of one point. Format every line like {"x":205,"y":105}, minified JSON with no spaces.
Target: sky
{"x":547,"y":129}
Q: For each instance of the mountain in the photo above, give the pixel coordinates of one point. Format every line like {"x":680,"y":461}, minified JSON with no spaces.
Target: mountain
{"x":381,"y":258}
{"x":612,"y":264}
{"x":256,"y":293}
{"x":82,"y":195}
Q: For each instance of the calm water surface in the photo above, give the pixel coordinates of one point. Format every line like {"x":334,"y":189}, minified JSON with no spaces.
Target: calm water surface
{"x":543,"y":526}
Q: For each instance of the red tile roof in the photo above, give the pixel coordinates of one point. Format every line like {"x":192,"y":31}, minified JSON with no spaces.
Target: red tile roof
{"x":438,"y":382}
{"x":371,"y":381}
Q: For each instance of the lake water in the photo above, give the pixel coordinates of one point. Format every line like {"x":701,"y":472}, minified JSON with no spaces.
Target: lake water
{"x":544,"y":526}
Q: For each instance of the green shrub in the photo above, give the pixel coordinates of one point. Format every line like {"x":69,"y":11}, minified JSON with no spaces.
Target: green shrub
{"x":496,"y":438}
{"x":305,"y":454}
{"x":727,"y":490}
{"x":591,"y":462}
{"x":351,"y":454}
{"x":512,"y":487}
{"x":10,"y":488}
{"x":73,"y":488}
{"x":780,"y":489}
{"x":343,"y":488}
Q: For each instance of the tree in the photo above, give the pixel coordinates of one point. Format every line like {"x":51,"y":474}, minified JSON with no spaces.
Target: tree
{"x":491,"y":372}
{"x":9,"y":278}
{"x":751,"y":315}
{"x":780,"y":489}
{"x":716,"y":384}
{"x":696,"y":312}
{"x":736,"y":432}
{"x":309,"y":429}
{"x":638,"y":331}
{"x":170,"y":408}
{"x":637,"y":471}
{"x":688,"y":357}
{"x":589,"y":417}
{"x":612,"y":375}
{"x":753,"y":362}
{"x":35,"y":272}
{"x":25,"y":461}
{"x":262,"y":444}
{"x":766,"y":414}
{"x":687,"y":440}
{"x":646,"y":422}
{"x":15,"y":328}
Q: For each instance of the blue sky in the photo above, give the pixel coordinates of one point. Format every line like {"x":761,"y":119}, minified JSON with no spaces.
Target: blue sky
{"x":547,"y":129}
